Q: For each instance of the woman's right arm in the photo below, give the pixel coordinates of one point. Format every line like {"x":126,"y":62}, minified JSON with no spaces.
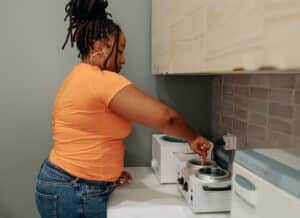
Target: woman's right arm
{"x":135,"y":105}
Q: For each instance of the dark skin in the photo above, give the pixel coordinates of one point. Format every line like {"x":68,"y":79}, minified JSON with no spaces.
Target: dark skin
{"x":137,"y":106}
{"x":100,"y":51}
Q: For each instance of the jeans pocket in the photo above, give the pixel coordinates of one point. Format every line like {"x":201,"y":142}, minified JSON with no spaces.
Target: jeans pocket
{"x":47,"y":174}
{"x":95,"y":201}
{"x":99,"y":190}
{"x":46,"y":204}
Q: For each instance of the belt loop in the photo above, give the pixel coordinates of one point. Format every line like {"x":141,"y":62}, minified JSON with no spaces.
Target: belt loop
{"x":74,"y":182}
{"x":43,"y":163}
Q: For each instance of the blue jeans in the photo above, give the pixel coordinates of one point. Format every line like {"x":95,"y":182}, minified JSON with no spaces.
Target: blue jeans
{"x":60,"y":195}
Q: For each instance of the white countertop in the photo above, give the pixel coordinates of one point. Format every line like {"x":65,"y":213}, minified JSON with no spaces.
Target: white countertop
{"x":146,"y":198}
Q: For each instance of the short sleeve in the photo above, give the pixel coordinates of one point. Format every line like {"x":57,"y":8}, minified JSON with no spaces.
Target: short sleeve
{"x":107,"y":84}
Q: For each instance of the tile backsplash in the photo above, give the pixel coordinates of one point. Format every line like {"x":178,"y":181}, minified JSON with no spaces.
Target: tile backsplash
{"x":261,"y":110}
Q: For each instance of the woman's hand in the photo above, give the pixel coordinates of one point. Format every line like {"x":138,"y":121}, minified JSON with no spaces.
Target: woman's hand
{"x":125,"y":178}
{"x":200,"y":145}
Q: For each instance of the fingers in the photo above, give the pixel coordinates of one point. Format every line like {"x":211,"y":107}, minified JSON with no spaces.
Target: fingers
{"x":125,"y":178}
{"x":204,"y":147}
{"x":201,"y":146}
{"x":128,"y":175}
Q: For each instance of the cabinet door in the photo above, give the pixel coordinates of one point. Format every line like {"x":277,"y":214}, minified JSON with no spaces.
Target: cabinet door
{"x":281,"y":33}
{"x":160,"y":37}
{"x":233,"y":35}
{"x":187,"y":28}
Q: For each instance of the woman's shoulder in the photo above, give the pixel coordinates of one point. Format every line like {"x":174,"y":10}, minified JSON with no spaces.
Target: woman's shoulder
{"x":95,"y":74}
{"x":83,"y":67}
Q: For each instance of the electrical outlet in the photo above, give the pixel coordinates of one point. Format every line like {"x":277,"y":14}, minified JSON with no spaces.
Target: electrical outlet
{"x":230,"y":141}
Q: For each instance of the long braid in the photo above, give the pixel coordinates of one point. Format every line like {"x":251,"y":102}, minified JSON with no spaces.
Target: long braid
{"x":117,"y":41}
{"x":88,"y":22}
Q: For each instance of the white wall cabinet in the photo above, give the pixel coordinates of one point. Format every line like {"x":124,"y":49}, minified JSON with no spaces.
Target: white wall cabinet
{"x":224,"y":36}
{"x":233,"y":36}
{"x":187,"y":42}
{"x":281,"y":44}
{"x":178,"y":43}
{"x":160,"y":37}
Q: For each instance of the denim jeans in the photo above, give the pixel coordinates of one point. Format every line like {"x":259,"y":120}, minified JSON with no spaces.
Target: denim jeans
{"x":60,"y":195}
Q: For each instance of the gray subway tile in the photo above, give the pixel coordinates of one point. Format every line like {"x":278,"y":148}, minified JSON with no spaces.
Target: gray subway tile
{"x":241,"y":91}
{"x":241,"y":142}
{"x":298,"y":81}
{"x":297,"y":113}
{"x":227,"y":99}
{"x":297,"y":97}
{"x":228,"y":90}
{"x":256,"y":132}
{"x":241,"y":102}
{"x":283,"y":81}
{"x":249,"y":98}
{"x":255,"y":143}
{"x":240,"y":114}
{"x":216,"y":124}
{"x":262,"y":81}
{"x":240,"y":128}
{"x":258,"y":106}
{"x":229,"y":79}
{"x":227,"y":124}
{"x":227,"y":121}
{"x":297,"y":128}
{"x":280,"y":125}
{"x":257,"y":119}
{"x":226,"y":129}
{"x":227,"y":109}
{"x":297,"y":141}
{"x":297,"y":121}
{"x":241,"y":125}
{"x":280,"y":110}
{"x":279,"y":140}
{"x":284,"y":96}
{"x":242,"y":80}
{"x":295,"y":148}
{"x":259,"y":93}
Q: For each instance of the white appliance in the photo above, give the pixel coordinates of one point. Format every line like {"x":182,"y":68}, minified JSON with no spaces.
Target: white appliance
{"x":205,"y":187}
{"x":210,"y":190}
{"x":187,"y":164}
{"x":163,"y":160}
{"x":266,"y":184}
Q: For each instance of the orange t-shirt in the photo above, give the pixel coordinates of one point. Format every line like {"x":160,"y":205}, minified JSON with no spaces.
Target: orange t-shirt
{"x":88,"y":136}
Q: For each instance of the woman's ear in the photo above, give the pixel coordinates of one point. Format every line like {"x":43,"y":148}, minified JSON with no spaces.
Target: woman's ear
{"x":100,"y":47}
{"x":104,"y":52}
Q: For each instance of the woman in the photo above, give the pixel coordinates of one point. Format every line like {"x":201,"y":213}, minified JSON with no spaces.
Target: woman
{"x":93,"y":112}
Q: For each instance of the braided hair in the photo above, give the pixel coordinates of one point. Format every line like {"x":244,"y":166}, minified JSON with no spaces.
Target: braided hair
{"x":89,"y":22}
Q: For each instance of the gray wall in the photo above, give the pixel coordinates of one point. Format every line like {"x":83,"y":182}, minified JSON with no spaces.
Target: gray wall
{"x":32,"y":69}
{"x":261,"y":110}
